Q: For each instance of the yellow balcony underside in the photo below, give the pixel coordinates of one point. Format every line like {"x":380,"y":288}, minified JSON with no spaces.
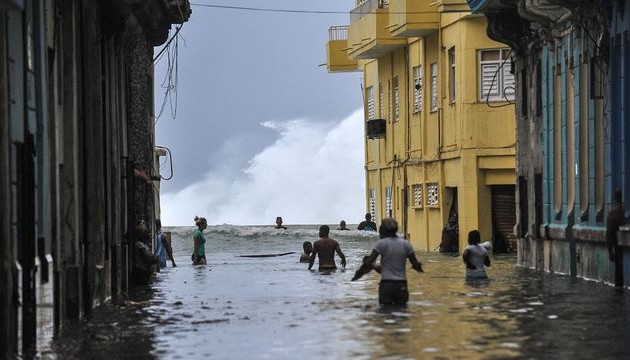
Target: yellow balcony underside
{"x":413,"y":18}
{"x":370,"y":38}
{"x":337,"y":59}
{"x":446,"y":6}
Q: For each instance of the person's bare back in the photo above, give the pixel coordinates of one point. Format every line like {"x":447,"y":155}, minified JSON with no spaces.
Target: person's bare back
{"x":324,"y":249}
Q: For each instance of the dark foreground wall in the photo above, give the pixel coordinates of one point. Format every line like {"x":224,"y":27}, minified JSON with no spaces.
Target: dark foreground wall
{"x":76,"y":154}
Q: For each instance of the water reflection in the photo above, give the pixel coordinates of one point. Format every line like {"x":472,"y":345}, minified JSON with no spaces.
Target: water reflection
{"x":274,"y":308}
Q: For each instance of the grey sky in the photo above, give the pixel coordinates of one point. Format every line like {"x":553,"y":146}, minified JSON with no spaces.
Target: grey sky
{"x":238,"y":69}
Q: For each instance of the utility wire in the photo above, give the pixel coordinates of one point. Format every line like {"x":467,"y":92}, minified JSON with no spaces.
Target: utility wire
{"x":300,"y":11}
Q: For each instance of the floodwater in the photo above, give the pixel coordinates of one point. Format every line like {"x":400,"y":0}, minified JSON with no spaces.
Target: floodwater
{"x":274,"y":308}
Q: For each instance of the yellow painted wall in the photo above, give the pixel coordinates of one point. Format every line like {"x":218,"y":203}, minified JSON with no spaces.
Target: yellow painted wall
{"x":465,"y":145}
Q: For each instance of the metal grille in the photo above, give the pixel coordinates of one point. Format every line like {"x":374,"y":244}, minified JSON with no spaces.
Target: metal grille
{"x":417,"y":195}
{"x":432,"y":194}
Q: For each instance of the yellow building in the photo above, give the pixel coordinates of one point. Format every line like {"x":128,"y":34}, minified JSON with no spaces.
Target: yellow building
{"x":439,"y":109}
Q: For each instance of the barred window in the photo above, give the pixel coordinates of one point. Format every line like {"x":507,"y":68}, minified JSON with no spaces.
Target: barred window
{"x":434,"y":89}
{"x":417,"y":89}
{"x":388,"y":201}
{"x":370,"y":103}
{"x":396,"y":100}
{"x":373,"y":204}
{"x":451,"y":78}
{"x":417,"y":195}
{"x":433,"y":194}
{"x":381,"y":98}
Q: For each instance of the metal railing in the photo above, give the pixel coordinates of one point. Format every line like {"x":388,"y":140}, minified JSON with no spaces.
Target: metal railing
{"x":339,"y":32}
{"x":366,"y":8}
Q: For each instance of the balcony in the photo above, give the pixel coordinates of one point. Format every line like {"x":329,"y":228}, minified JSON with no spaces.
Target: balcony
{"x":337,"y":59}
{"x":449,"y":6}
{"x":413,"y":18}
{"x":368,"y":34}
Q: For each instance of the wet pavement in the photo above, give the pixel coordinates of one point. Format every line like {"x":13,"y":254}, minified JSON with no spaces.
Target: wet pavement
{"x":274,"y":308}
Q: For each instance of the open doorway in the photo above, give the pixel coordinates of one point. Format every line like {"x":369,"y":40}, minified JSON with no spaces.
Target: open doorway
{"x":503,"y":218}
{"x":450,"y":231}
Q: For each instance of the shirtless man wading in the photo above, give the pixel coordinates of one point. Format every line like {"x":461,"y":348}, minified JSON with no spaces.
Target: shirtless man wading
{"x":324,"y":249}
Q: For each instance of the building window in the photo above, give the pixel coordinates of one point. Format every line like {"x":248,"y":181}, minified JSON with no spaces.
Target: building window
{"x":373,"y":204}
{"x":381,"y":99}
{"x":434,"y":89}
{"x":396,"y":100}
{"x":433,"y":195}
{"x":388,"y":201}
{"x":496,"y":80}
{"x":417,"y":89}
{"x":451,"y":74}
{"x":369,"y":94}
{"x":417,"y":195}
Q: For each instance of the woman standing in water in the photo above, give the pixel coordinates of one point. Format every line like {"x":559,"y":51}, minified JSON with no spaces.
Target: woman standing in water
{"x":199,"y":247}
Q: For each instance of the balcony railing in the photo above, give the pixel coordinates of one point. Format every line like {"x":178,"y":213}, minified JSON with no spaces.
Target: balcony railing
{"x":339,"y":32}
{"x":366,"y":8}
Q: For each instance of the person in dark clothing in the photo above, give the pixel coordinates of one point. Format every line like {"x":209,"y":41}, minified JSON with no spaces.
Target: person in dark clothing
{"x":143,"y":258}
{"x":615,"y":219}
{"x":368,"y":224}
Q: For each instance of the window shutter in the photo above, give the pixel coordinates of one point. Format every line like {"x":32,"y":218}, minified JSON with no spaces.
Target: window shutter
{"x":509,"y":84}
{"x":434,"y":95}
{"x":489,"y":88}
{"x":370,"y":103}
{"x":417,"y":89}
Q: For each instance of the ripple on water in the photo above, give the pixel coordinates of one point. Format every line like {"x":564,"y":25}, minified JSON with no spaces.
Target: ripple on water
{"x":274,"y":308}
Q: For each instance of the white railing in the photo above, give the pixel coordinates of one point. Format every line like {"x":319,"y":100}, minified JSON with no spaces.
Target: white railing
{"x":339,"y":32}
{"x":366,"y":8}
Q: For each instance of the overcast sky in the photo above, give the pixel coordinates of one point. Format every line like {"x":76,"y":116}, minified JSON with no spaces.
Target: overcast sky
{"x":249,"y":83}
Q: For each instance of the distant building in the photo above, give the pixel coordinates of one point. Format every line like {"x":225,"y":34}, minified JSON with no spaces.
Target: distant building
{"x":76,"y":155}
{"x":572,"y":63}
{"x":439,"y":118}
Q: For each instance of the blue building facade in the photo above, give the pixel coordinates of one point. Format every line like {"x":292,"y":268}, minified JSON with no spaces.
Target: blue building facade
{"x":573,"y":128}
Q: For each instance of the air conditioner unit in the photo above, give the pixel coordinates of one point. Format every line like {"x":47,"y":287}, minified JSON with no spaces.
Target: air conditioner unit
{"x":375,"y":129}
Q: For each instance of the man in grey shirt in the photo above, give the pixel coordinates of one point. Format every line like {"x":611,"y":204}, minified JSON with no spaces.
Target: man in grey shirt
{"x":394,"y":252}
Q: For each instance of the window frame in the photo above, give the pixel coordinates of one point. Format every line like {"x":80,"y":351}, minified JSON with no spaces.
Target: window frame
{"x":502,"y":77}
{"x":434,"y":87}
{"x":417,"y":89}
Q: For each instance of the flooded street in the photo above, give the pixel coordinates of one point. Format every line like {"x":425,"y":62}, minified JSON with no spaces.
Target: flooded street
{"x":274,"y":308}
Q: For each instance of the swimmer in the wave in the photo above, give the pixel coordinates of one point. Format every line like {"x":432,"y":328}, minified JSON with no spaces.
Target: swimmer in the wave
{"x":342,"y":225}
{"x":324,"y":249}
{"x":279,"y":223}
{"x":308,"y":249}
{"x":368,"y":224}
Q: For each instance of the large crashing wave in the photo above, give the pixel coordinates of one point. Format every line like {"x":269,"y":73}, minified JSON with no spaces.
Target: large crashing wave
{"x":313,"y":174}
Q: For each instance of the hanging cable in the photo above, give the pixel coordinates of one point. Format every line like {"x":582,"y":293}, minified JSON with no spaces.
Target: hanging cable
{"x":215,"y":6}
{"x":170,"y":161}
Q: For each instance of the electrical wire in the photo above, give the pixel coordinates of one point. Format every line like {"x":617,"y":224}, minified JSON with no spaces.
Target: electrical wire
{"x":294,"y":11}
{"x":170,"y":161}
{"x":169,"y":84}
{"x":505,"y":87}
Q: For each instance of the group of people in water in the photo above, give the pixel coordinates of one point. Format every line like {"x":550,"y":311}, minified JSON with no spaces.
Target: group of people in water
{"x":394,"y":252}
